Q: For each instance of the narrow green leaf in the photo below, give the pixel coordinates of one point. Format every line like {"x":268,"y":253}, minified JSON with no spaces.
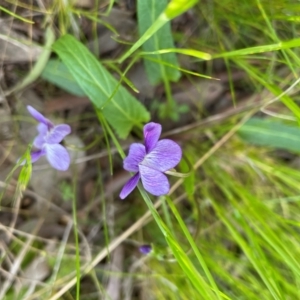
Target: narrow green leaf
{"x":189,"y":52}
{"x":57,"y":73}
{"x":174,"y":9}
{"x":118,"y":106}
{"x":148,"y":12}
{"x":261,"y":49}
{"x":250,"y":254}
{"x":40,"y":64}
{"x":11,"y":13}
{"x":272,"y":134}
{"x":182,"y":258}
{"x":261,"y":78}
{"x":180,"y":69}
{"x":194,"y":247}
{"x":189,"y":182}
{"x":178,"y":7}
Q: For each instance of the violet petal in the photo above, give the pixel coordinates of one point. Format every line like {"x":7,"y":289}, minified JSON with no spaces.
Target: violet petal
{"x":42,"y":128}
{"x":165,"y":156}
{"x":136,"y":154}
{"x":57,"y":134}
{"x":145,"y":249}
{"x":39,"y":141}
{"x":152,"y":133}
{"x":129,"y":186}
{"x":57,"y":156}
{"x":154,"y":182}
{"x":39,"y":117}
{"x":35,"y":155}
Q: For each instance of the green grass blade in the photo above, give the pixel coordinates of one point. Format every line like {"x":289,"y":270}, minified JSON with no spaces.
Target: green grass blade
{"x":189,"y":269}
{"x":178,"y":7}
{"x":174,"y":8}
{"x":259,"y":77}
{"x":121,"y":109}
{"x":194,"y":247}
{"x":188,"y":52}
{"x":15,"y":15}
{"x":242,"y":241}
{"x":260,"y":49}
{"x":148,"y":57}
{"x":40,"y":64}
{"x":148,"y":12}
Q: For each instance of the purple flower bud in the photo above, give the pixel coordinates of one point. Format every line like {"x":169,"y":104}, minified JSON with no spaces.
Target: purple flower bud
{"x":48,"y":141}
{"x":150,"y":161}
{"x":145,"y":249}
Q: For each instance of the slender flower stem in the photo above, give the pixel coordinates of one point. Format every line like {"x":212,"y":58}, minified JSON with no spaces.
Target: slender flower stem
{"x":102,"y":121}
{"x":167,"y":215}
{"x":112,"y":135}
{"x":170,"y":103}
{"x":78,"y":275}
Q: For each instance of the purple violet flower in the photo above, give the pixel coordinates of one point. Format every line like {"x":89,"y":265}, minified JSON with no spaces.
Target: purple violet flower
{"x":149,"y":161}
{"x":48,"y":141}
{"x":145,"y":249}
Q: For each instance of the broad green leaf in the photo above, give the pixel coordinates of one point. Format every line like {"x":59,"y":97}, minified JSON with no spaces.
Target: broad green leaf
{"x":272,"y":134}
{"x":118,"y":106}
{"x":57,"y":73}
{"x":174,"y":9}
{"x":148,"y":12}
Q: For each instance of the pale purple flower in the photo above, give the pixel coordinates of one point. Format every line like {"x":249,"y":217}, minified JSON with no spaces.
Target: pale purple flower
{"x":150,"y":161}
{"x":48,"y":141}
